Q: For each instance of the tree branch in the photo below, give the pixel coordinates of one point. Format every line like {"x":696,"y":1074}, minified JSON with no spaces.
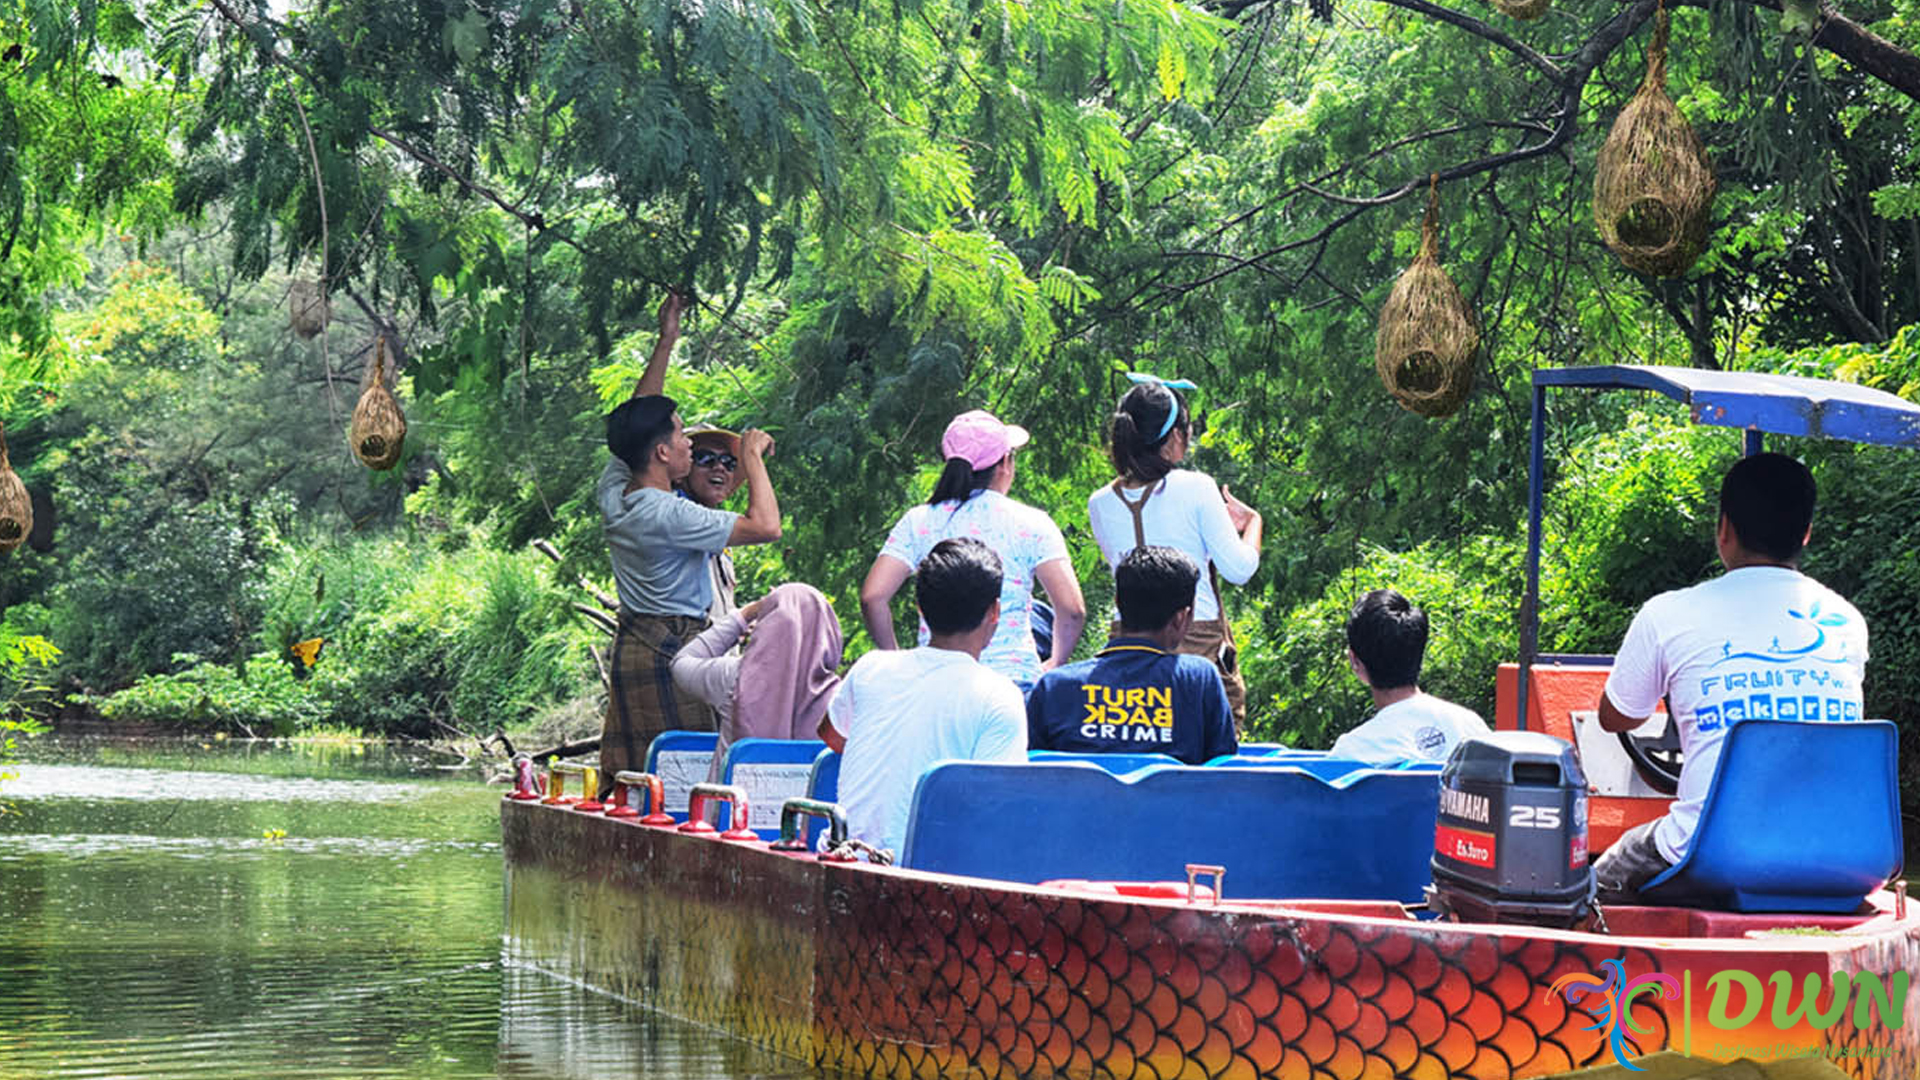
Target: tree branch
{"x":1478,"y":29}
{"x":1580,"y":68}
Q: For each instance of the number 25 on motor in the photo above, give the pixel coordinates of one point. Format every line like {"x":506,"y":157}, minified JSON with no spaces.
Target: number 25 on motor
{"x":1534,"y":817}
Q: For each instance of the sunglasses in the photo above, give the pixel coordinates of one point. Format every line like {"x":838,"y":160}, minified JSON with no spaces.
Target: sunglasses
{"x":704,"y":457}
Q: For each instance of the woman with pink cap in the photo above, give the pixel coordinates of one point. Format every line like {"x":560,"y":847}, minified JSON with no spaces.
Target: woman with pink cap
{"x":970,"y":499}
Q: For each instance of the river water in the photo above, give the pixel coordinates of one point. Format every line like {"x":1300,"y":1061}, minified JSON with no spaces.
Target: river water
{"x":251,"y":910}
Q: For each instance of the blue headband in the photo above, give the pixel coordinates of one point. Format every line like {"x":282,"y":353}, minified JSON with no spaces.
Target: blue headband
{"x":1144,"y":378}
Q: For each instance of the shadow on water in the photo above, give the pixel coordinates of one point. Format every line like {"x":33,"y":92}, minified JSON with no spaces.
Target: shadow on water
{"x":240,"y":910}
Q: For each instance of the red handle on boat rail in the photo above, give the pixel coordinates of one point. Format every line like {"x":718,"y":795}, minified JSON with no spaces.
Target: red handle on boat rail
{"x":627,"y":789}
{"x":794,"y":810}
{"x":697,"y":811}
{"x":589,"y":786}
{"x":526,"y":786}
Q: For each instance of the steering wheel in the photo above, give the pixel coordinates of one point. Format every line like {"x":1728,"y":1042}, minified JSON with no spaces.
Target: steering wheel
{"x":1656,"y":757}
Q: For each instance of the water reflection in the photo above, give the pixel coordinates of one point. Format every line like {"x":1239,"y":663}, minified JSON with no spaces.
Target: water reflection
{"x":178,"y":919}
{"x":96,"y":782}
{"x":553,"y":1028}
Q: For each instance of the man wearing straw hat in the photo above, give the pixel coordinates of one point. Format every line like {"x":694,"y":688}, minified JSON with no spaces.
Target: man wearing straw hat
{"x":715,"y":477}
{"x":662,"y":546}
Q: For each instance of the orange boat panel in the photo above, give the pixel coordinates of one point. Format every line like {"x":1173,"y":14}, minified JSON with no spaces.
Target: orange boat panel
{"x":1555,"y":693}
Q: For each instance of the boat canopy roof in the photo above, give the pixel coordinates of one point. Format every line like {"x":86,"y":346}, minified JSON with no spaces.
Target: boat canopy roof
{"x":1778,"y":404}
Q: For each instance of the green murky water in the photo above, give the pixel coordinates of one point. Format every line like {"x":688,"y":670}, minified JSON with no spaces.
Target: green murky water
{"x":189,"y":910}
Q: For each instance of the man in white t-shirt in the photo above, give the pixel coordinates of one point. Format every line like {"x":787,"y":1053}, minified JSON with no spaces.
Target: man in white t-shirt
{"x":1386,"y":641}
{"x":900,"y":710}
{"x":1762,"y":641}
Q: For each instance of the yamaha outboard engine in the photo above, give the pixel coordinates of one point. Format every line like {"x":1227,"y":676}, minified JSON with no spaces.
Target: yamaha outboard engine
{"x":1511,"y":841}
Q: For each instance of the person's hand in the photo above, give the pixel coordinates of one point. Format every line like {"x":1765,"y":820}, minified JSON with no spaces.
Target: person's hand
{"x":756,"y":443}
{"x":670,"y":309}
{"x":751,"y":613}
{"x":1238,"y":512}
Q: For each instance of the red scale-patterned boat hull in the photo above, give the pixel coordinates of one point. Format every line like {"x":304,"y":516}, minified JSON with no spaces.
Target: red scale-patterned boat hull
{"x":881,"y":972}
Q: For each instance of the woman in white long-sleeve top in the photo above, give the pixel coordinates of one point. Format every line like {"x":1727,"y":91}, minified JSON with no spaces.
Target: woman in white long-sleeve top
{"x":1151,"y":501}
{"x":777,"y":686}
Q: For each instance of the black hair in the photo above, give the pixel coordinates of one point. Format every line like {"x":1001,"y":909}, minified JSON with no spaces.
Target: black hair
{"x":955,"y":585}
{"x":1389,"y":636}
{"x":636,"y":426}
{"x":1151,"y":585}
{"x":959,"y":480}
{"x":1768,"y":499}
{"x":1134,"y":439}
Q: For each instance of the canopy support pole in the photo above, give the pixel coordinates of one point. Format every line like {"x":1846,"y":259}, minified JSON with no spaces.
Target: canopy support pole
{"x":1530,"y":603}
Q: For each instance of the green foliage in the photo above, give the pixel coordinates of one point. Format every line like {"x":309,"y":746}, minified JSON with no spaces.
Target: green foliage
{"x":24,"y":659}
{"x":1306,"y":693}
{"x":148,"y":320}
{"x":1866,"y":546}
{"x":145,"y":576}
{"x":467,"y":640}
{"x":79,"y":148}
{"x":1631,"y":513}
{"x":260,"y":699}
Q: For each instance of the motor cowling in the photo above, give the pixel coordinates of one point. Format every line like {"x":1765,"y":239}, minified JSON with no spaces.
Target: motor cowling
{"x":1510,"y":844}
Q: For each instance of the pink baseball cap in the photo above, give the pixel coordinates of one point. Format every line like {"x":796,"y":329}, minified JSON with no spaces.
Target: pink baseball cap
{"x":981,"y":438}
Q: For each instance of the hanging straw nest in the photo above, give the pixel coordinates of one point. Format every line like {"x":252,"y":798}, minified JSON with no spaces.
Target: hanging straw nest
{"x":1527,"y":10}
{"x":308,"y":310}
{"x":1653,"y":186}
{"x":16,"y":509}
{"x":379,"y":429}
{"x":1425,"y":347}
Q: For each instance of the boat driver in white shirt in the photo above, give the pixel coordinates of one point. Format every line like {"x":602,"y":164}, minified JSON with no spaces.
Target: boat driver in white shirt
{"x":1761,"y":641}
{"x":1386,"y":641}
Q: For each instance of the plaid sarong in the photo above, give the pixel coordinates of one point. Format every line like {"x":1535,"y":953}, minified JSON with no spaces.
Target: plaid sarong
{"x":641,"y":702}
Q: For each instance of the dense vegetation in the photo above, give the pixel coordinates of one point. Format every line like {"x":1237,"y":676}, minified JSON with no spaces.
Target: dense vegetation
{"x":890,"y":213}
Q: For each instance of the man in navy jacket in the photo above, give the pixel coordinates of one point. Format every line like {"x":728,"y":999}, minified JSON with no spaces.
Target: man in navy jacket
{"x":1138,"y":695}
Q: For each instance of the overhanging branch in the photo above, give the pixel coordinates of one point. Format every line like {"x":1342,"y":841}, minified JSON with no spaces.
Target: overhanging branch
{"x":1579,"y":68}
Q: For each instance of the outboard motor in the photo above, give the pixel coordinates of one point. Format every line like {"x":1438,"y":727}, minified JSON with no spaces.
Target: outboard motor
{"x":1511,"y":840}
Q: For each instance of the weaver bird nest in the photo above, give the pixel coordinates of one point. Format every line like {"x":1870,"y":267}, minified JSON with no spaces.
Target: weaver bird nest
{"x":16,"y":509}
{"x":379,"y":430}
{"x":1653,"y":187}
{"x":308,"y":309}
{"x":1427,"y":341}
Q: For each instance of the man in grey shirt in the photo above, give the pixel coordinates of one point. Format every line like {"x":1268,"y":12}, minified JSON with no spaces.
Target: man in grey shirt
{"x":660,"y":545}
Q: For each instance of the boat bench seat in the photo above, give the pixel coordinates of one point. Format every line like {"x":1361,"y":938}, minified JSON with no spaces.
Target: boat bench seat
{"x":680,"y":759}
{"x":771,"y":771}
{"x":1321,"y":765}
{"x":1113,"y":763}
{"x":1281,"y":832}
{"x":1801,"y":816}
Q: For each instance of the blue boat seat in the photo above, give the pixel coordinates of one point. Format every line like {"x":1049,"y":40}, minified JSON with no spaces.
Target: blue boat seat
{"x":1802,"y":816}
{"x":680,"y":759}
{"x":1113,"y":763}
{"x":770,"y":771}
{"x":1280,"y":832}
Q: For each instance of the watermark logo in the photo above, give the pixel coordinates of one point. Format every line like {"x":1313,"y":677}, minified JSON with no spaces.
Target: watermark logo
{"x":1738,"y":999}
{"x":1609,"y":1001}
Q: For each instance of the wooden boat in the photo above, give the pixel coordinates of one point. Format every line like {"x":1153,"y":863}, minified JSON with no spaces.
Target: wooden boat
{"x":886,"y":972}
{"x":1312,"y":962}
